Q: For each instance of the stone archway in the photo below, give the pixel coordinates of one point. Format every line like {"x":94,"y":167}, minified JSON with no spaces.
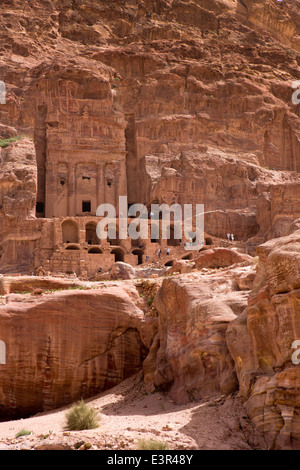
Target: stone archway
{"x":188,"y":256}
{"x":95,"y":250}
{"x":139,"y":254}
{"x":112,"y":241}
{"x":169,"y":263}
{"x":172,"y":241}
{"x":119,"y":254}
{"x":69,"y":231}
{"x":91,"y":237}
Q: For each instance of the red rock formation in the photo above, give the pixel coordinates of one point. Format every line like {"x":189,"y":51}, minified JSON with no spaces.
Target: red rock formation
{"x":165,"y":101}
{"x":19,"y":230}
{"x":63,"y":346}
{"x":192,"y":359}
{"x":181,"y":266}
{"x":220,"y":258}
{"x":260,"y":341}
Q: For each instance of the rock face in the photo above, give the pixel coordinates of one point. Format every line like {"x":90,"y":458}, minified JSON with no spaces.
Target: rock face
{"x":69,"y":345}
{"x":192,"y":356}
{"x":220,"y":258}
{"x":162,"y":101}
{"x":121,"y":271}
{"x":19,"y":229}
{"x":217,"y":336}
{"x":181,"y":266}
{"x":261,"y":343}
{"x":165,"y":101}
{"x":282,"y":19}
{"x":32,"y":284}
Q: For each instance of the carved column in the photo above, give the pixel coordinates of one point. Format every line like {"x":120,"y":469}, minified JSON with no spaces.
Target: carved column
{"x":117,"y":183}
{"x":100,"y":185}
{"x":72,"y":191}
{"x":51,"y":190}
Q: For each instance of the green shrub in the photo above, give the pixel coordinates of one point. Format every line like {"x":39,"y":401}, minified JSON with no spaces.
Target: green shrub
{"x":6,"y":142}
{"x":23,"y":432}
{"x":151,"y":444}
{"x":81,"y":416}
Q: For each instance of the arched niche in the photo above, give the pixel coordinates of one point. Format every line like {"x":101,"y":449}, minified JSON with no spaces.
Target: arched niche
{"x":69,"y":231}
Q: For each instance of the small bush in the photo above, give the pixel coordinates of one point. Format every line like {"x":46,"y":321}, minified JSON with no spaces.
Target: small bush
{"x":151,"y":444}
{"x":6,"y":142}
{"x":81,"y":416}
{"x":23,"y":432}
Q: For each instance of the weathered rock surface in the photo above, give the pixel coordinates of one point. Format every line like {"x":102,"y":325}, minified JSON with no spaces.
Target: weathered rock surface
{"x":33,"y":284}
{"x":220,"y":258}
{"x":260,"y":342}
{"x":121,"y":271}
{"x":19,"y":229}
{"x":165,"y":101}
{"x":192,"y":356}
{"x":181,"y":266}
{"x":68,"y":345}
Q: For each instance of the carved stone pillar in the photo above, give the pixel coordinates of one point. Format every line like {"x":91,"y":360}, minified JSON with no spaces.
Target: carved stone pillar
{"x":100,"y":185}
{"x":51,"y":190}
{"x":72,"y":190}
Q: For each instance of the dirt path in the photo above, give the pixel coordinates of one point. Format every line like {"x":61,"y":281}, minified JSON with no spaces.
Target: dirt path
{"x":128,"y":414}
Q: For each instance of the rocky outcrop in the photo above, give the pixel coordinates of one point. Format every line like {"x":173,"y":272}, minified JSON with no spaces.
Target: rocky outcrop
{"x":169,"y":101}
{"x":19,"y":230}
{"x":220,"y":258}
{"x":180,"y":266}
{"x":280,"y":18}
{"x":121,"y":271}
{"x":165,"y":101}
{"x":218,"y":336}
{"x":35,"y":284}
{"x":192,"y":358}
{"x":261,"y":343}
{"x":67,"y":345}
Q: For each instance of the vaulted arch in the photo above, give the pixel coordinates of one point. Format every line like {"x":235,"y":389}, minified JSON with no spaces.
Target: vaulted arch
{"x":69,"y":231}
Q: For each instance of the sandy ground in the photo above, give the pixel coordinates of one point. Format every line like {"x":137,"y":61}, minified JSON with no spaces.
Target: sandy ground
{"x":128,"y":413}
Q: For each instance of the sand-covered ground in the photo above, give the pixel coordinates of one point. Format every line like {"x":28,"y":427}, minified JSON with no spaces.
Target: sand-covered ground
{"x":128,"y":414}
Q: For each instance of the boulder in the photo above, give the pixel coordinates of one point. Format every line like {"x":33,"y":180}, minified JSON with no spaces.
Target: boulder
{"x":121,"y":270}
{"x":181,"y":266}
{"x":69,"y":345}
{"x":220,"y":258}
{"x":193,"y":359}
{"x":261,"y":344}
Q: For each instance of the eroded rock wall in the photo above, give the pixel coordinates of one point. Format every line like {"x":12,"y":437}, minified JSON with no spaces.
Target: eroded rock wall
{"x":192,"y":360}
{"x":165,"y":101}
{"x":19,"y":229}
{"x":67,"y":345}
{"x":261,"y":343}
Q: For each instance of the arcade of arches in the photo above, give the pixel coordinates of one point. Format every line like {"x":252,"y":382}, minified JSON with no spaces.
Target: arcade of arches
{"x":71,"y":245}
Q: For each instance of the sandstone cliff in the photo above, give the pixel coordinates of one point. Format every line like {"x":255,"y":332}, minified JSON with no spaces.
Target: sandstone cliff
{"x":66,"y":345}
{"x":165,"y":101}
{"x":261,"y":343}
{"x":186,"y":102}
